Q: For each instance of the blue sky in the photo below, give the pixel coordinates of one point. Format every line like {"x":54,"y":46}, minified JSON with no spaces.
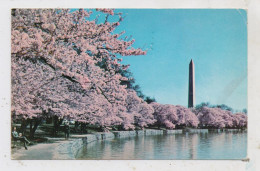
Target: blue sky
{"x":215,"y":39}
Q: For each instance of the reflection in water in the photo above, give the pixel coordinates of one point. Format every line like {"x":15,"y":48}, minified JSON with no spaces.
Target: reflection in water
{"x":231,"y":145}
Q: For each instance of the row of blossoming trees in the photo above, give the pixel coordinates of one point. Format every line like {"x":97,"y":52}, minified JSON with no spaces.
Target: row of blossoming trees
{"x":66,"y":66}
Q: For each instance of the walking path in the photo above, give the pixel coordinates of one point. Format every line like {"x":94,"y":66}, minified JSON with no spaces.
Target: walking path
{"x":42,"y":151}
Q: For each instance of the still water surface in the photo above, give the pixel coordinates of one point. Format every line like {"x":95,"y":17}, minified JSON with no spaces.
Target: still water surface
{"x":231,"y":145}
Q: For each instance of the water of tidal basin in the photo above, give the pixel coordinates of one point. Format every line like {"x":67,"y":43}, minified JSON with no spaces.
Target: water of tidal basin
{"x":179,"y":146}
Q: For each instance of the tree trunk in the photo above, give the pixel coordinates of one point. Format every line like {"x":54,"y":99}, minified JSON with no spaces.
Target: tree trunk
{"x":31,"y":125}
{"x":57,"y":123}
{"x":83,"y":127}
{"x":76,"y":126}
{"x":55,"y":126}
{"x":24,"y":124}
{"x":37,"y":122}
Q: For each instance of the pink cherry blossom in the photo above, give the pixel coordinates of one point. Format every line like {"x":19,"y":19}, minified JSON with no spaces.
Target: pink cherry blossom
{"x":218,"y":118}
{"x":55,"y":67}
{"x":170,"y":115}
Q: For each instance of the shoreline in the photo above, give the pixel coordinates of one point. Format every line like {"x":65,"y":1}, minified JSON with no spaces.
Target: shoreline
{"x":61,"y":149}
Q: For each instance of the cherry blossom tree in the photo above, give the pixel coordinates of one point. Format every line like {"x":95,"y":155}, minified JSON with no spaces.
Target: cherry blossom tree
{"x":172,"y":116}
{"x":139,"y":109}
{"x":165,"y":115}
{"x":239,"y":120}
{"x":186,"y":117}
{"x":218,"y":118}
{"x":56,"y":66}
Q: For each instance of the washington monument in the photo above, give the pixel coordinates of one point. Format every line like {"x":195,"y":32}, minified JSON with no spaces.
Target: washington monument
{"x":191,"y":96}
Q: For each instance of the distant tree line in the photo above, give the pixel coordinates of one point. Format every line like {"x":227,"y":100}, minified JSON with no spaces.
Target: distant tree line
{"x":221,"y":106}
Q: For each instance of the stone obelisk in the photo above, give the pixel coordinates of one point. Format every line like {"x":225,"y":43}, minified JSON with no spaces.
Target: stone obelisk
{"x":191,"y":96}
